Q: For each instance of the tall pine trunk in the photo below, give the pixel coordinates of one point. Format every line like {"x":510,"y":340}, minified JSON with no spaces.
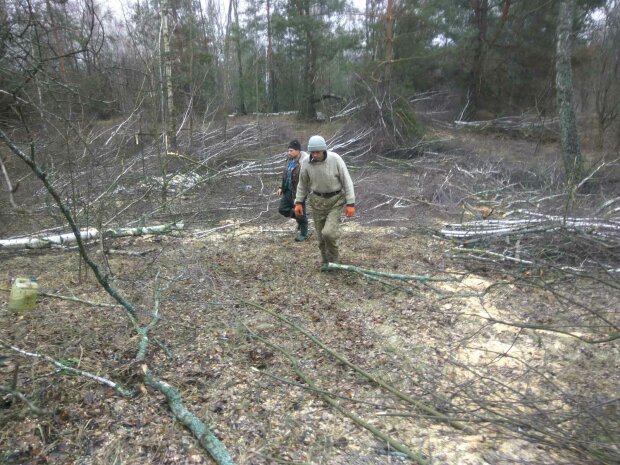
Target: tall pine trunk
{"x":481,"y":8}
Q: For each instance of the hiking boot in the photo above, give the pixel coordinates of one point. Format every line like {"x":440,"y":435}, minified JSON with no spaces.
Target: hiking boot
{"x":303,"y":232}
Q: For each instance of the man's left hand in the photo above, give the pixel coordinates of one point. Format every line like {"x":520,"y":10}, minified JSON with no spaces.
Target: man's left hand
{"x":349,"y":211}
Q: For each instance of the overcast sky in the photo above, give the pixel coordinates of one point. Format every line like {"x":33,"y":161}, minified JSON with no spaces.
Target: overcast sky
{"x":116,"y":5}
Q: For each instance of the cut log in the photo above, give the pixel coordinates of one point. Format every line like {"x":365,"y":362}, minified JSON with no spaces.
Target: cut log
{"x":86,"y":234}
{"x":47,"y":241}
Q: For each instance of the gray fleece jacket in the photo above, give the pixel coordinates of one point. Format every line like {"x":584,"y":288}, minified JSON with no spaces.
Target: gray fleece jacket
{"x":329,"y":175}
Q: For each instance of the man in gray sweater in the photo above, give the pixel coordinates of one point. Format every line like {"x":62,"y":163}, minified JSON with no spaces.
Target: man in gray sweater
{"x":325,"y":175}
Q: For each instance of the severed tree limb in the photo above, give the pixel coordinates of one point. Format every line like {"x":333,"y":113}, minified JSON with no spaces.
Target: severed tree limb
{"x":48,"y":241}
{"x":329,"y":398}
{"x":392,"y":286}
{"x":401,"y":395}
{"x":129,"y":253}
{"x":201,"y":432}
{"x":315,"y":389}
{"x":85,"y":235}
{"x":144,"y":331}
{"x":612,"y":337}
{"x":71,"y":299}
{"x":499,"y":256}
{"x":117,"y":387}
{"x":376,"y":276}
{"x":401,"y":277}
{"x":143,"y":230}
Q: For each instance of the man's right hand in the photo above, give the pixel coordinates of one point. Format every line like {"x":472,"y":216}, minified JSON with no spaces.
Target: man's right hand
{"x":279,"y":191}
{"x":299,"y":210}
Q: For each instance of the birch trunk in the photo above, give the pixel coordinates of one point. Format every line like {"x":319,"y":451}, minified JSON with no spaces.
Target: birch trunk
{"x":85,"y":235}
{"x":167,"y":59}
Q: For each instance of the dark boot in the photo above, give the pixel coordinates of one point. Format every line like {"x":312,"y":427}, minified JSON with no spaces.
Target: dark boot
{"x":303,"y":232}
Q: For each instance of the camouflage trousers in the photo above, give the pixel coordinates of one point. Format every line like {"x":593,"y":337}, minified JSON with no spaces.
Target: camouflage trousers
{"x":326,"y":214}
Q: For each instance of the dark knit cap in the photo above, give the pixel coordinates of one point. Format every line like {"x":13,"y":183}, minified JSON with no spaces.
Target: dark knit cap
{"x":294,"y":144}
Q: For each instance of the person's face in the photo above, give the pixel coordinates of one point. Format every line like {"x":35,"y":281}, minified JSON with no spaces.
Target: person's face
{"x":318,"y":155}
{"x":292,"y":153}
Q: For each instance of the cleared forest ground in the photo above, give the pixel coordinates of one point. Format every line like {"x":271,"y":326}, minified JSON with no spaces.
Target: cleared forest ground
{"x":237,"y":290}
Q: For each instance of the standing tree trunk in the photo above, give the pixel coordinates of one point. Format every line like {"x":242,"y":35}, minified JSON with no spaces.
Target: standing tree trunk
{"x":167,"y":61}
{"x":569,"y":138}
{"x":60,"y":51}
{"x":308,"y":110}
{"x":481,"y":9}
{"x":606,"y":83}
{"x":167,"y":102}
{"x":370,"y":28}
{"x":389,"y":45}
{"x":273,"y":100}
{"x":241,"y":85}
{"x":192,"y":87}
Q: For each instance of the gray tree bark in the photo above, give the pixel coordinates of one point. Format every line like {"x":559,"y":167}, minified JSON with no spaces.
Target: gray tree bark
{"x":569,"y":137}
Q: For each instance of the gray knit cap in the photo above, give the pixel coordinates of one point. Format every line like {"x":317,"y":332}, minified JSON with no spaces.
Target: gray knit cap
{"x":316,"y":144}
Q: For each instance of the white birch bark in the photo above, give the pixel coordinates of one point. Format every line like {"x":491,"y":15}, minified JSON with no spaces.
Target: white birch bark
{"x":85,"y":234}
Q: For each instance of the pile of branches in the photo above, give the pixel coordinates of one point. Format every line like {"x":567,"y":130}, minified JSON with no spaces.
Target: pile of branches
{"x":526,"y":126}
{"x":533,"y":239}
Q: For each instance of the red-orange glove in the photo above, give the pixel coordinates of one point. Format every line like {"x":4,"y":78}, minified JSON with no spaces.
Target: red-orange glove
{"x":349,"y":211}
{"x":299,"y":210}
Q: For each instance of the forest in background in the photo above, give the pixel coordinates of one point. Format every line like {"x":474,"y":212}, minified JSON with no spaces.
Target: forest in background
{"x":184,"y":63}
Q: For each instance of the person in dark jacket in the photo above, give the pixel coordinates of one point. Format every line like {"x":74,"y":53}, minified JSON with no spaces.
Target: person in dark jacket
{"x":288,"y":188}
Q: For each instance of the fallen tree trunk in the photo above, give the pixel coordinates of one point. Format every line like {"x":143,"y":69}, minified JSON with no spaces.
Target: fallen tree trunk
{"x":85,"y":235}
{"x":47,"y":241}
{"x":207,"y":439}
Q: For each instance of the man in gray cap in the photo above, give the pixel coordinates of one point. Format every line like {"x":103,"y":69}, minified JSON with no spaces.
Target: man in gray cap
{"x":326,"y":176}
{"x":288,"y":187}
